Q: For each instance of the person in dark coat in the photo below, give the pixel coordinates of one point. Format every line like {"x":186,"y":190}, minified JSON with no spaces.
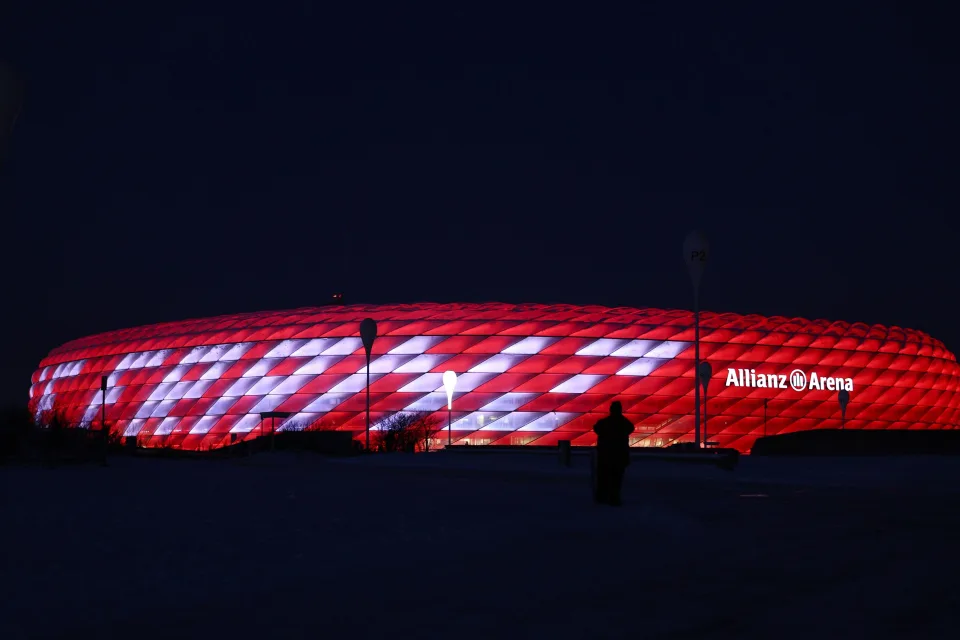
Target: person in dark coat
{"x":613,"y":454}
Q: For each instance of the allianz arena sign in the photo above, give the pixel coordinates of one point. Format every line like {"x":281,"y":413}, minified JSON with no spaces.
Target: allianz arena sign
{"x":797,"y":380}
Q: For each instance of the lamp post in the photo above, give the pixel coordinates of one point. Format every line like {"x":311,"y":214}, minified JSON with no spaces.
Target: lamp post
{"x":843,"y":396}
{"x":368,"y":333}
{"x":764,"y":417}
{"x":705,"y":372}
{"x":449,"y":383}
{"x":103,"y":416}
{"x":695,"y":249}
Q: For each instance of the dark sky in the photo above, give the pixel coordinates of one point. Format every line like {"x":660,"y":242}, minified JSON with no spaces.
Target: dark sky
{"x":188,"y":158}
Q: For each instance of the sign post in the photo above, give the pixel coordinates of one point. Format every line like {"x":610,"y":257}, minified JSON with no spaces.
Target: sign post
{"x":843,"y":396}
{"x":695,"y":250}
{"x":450,"y":384}
{"x":368,"y":333}
{"x":705,"y":372}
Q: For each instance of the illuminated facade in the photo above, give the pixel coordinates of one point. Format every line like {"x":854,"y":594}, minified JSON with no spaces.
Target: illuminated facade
{"x":527,"y":374}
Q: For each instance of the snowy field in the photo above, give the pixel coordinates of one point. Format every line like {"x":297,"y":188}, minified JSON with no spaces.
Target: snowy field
{"x":480,"y":546}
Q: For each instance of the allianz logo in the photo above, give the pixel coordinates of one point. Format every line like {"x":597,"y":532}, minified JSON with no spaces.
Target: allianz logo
{"x":796,"y":380}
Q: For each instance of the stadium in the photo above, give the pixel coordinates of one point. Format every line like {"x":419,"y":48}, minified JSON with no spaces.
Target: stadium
{"x":528,"y":374}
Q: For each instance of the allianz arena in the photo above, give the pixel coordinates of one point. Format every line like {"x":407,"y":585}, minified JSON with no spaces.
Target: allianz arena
{"x":527,"y":374}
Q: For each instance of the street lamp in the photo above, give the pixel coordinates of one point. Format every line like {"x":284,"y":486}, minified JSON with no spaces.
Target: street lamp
{"x":844,"y":398}
{"x":764,"y":417}
{"x":695,"y":249}
{"x":449,"y":383}
{"x":103,"y":417}
{"x":368,"y":333}
{"x":705,"y":371}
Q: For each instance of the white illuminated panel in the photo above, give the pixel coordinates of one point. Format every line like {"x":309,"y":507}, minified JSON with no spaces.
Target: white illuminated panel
{"x":429,"y":402}
{"x":125,"y":363}
{"x":236,"y":352}
{"x":246,"y":424}
{"x":203,"y":425}
{"x":417,"y":345}
{"x":602,"y":347}
{"x":326,"y":402}
{"x":292,"y":384}
{"x":512,"y":421}
{"x":470,"y":381}
{"x":285,"y":349}
{"x":423,"y":363}
{"x":635,"y":349}
{"x":314,"y":347}
{"x":146,"y":409}
{"x":134,"y":428}
{"x":474,"y":421}
{"x":344,"y":347}
{"x":424,"y":384}
{"x":160,"y":393}
{"x":196,"y":391}
{"x":509,"y":402}
{"x":497,"y":364}
{"x":113,"y":394}
{"x":354,"y":383}
{"x":76,"y":368}
{"x":641,"y":367}
{"x":261,"y":368}
{"x":579,"y":383}
{"x":264,"y":386}
{"x":178,"y":372}
{"x":221,"y":406}
{"x":195,"y":354}
{"x":240,"y":387}
{"x":550,"y":421}
{"x":163,"y":408}
{"x":216,"y":370}
{"x":178,"y":390}
{"x":531,"y":345}
{"x":142,"y":360}
{"x":386,"y":364}
{"x":44,"y":374}
{"x":214,"y":353}
{"x":167,"y":426}
{"x":269,"y":403}
{"x":318,"y":365}
{"x":669,"y":349}
{"x":303,"y":419}
{"x":159,"y":357}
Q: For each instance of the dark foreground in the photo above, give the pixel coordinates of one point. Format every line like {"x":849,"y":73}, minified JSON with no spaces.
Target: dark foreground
{"x":280,"y":546}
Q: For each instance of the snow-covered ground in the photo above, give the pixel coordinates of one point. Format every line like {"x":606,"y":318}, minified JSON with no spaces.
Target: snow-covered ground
{"x":480,"y":546}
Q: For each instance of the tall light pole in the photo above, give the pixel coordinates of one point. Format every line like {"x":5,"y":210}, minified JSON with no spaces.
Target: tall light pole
{"x":368,"y":333}
{"x":764,"y":417}
{"x":450,"y":384}
{"x":843,"y":396}
{"x":103,"y":416}
{"x":695,"y":250}
{"x":705,"y":371}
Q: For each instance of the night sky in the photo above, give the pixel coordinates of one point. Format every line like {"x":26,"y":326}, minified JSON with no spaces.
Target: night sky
{"x":190,"y":158}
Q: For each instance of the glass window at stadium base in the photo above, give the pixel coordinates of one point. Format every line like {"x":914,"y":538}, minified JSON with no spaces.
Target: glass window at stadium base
{"x":527,"y":374}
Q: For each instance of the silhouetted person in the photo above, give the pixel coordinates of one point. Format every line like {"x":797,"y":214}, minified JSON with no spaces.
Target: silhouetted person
{"x":613,"y":453}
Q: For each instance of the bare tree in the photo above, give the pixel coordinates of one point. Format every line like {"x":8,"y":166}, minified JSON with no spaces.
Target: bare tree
{"x":406,"y":431}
